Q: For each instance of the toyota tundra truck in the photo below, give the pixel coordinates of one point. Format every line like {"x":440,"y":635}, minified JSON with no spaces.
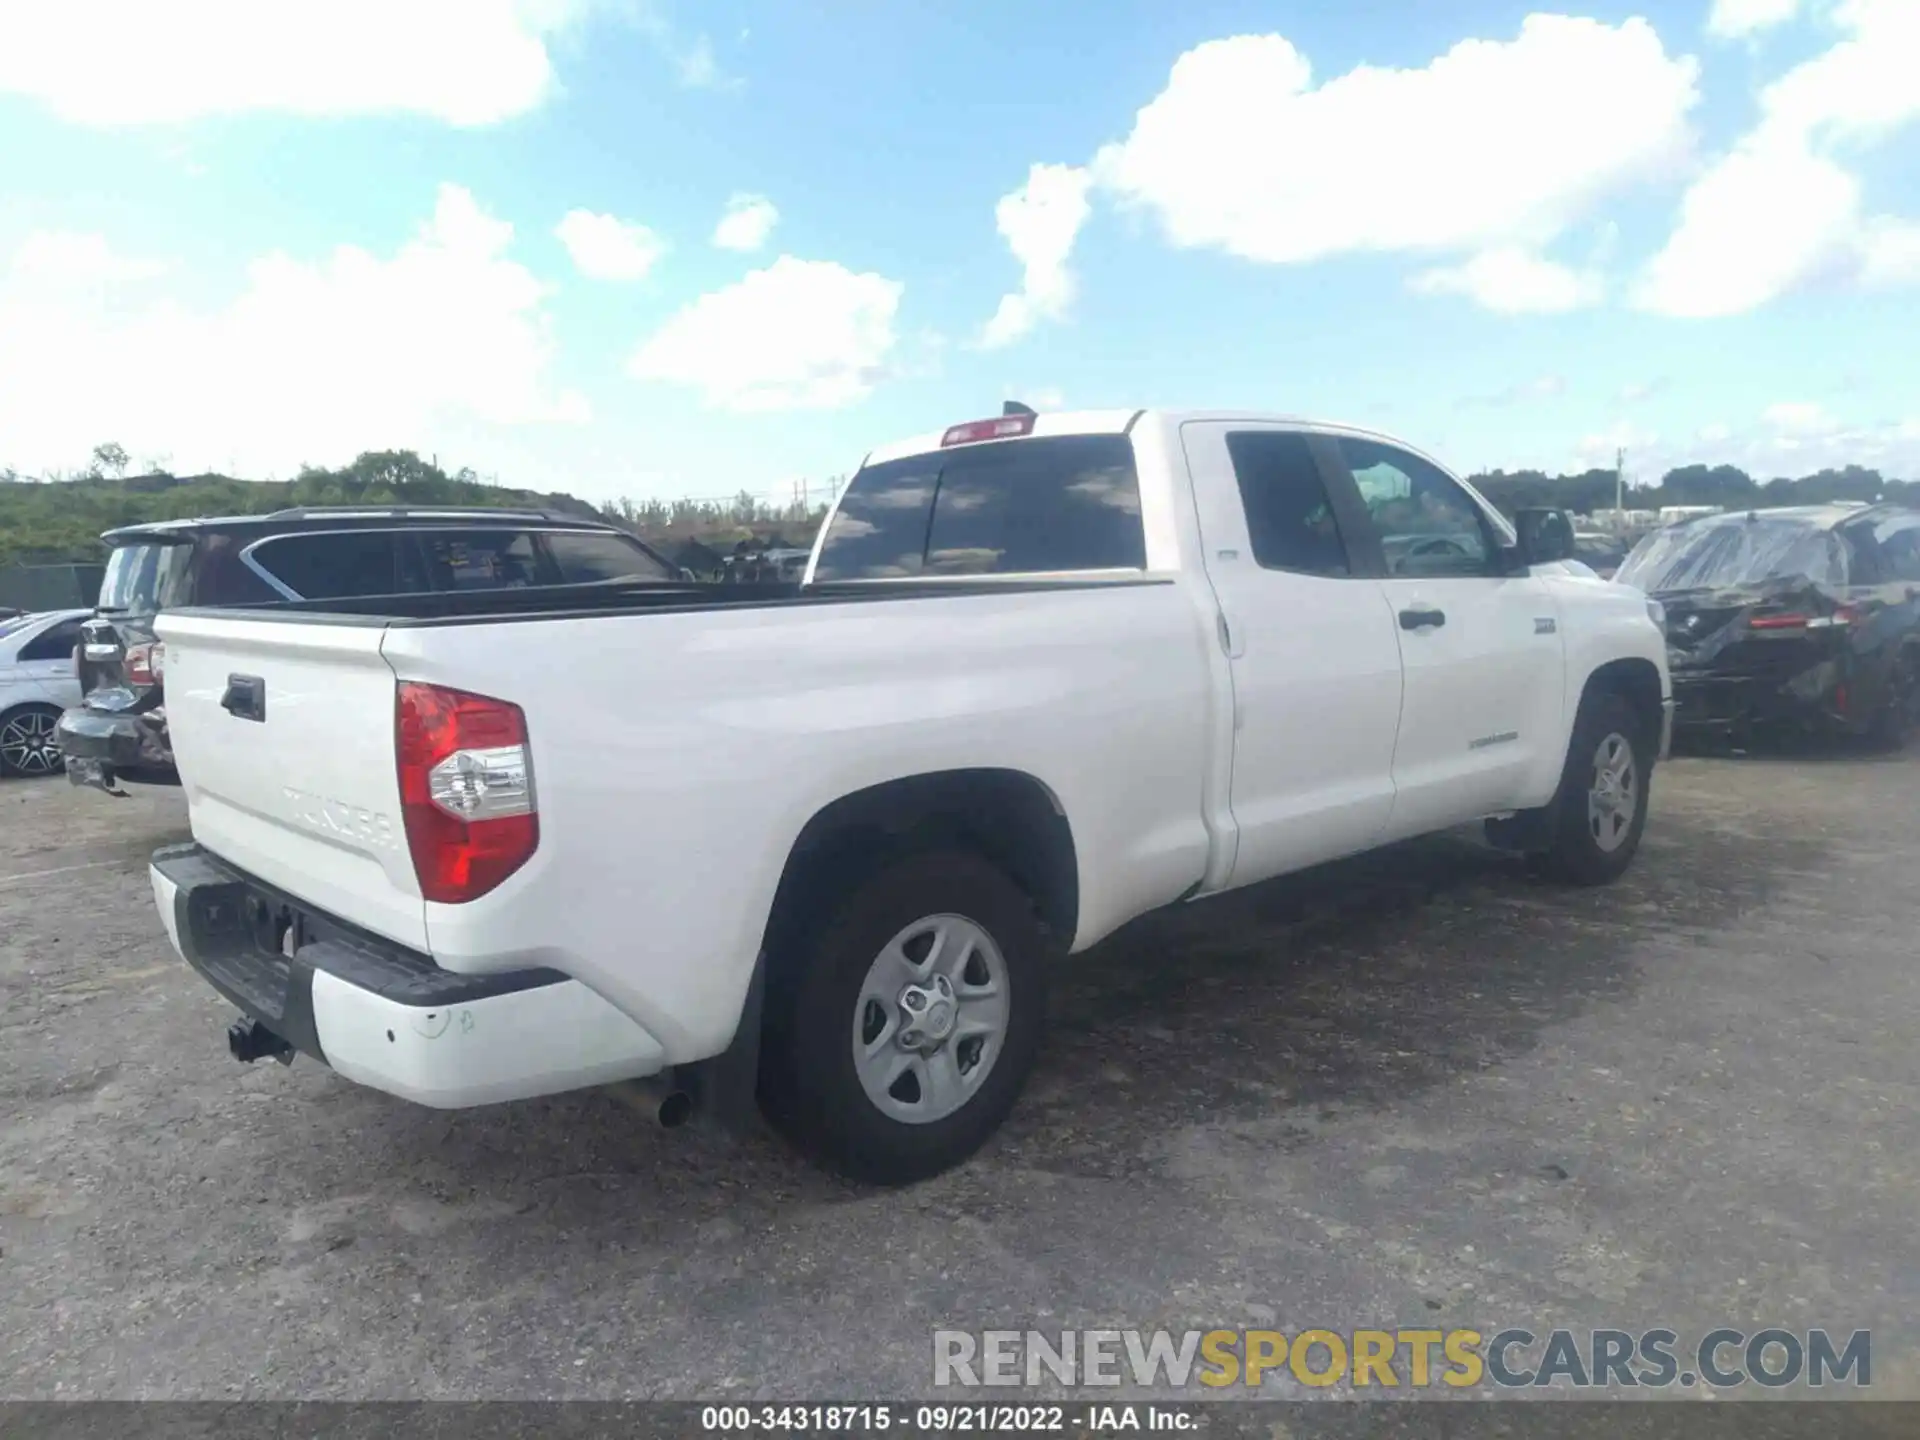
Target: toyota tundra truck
{"x":815,"y":844}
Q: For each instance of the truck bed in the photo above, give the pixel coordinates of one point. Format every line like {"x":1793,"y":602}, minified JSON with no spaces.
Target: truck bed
{"x":569,"y":602}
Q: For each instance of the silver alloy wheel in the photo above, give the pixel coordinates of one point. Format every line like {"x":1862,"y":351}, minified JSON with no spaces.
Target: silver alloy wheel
{"x":931,"y":1019}
{"x":1613,"y":793}
{"x":28,"y":745}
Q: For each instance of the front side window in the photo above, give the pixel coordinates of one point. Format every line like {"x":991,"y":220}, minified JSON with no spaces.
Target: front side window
{"x":1428,"y":525}
{"x":1290,"y":520}
{"x":1034,"y":506}
{"x":54,"y":643}
{"x":582,"y":557}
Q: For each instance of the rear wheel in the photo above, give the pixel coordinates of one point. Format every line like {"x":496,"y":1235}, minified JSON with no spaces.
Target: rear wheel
{"x":1899,"y":713}
{"x":900,"y":1034}
{"x":29,"y":741}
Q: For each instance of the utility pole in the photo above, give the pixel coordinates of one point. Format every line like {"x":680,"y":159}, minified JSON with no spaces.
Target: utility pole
{"x":1620,"y":482}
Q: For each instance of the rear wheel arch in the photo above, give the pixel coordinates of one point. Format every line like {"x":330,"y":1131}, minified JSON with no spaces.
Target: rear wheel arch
{"x":1008,"y":817}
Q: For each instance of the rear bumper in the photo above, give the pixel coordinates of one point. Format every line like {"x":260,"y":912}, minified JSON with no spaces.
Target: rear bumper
{"x":384,"y":1016}
{"x":102,"y":746}
{"x":1718,"y":703}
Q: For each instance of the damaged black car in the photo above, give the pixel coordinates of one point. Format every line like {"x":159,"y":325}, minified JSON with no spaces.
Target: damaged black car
{"x":1805,"y":618}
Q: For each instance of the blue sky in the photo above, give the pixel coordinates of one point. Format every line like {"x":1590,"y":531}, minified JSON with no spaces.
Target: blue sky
{"x":1516,"y":238}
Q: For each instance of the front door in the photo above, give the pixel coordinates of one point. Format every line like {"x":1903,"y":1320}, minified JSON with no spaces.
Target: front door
{"x":1483,"y":658}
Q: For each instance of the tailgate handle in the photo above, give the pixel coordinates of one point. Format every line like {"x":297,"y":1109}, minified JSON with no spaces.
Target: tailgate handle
{"x":246,"y":697}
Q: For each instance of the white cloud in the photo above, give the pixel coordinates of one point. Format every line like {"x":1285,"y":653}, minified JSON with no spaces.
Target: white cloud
{"x":1780,"y":211}
{"x":604,"y":247}
{"x":1484,"y":157}
{"x":800,"y":334}
{"x":1511,"y":281}
{"x":1493,"y":144}
{"x":1639,"y":390}
{"x":128,"y":62}
{"x":1733,"y":19}
{"x":1797,"y":417}
{"x":313,"y":360}
{"x":1039,"y":222}
{"x":746,"y":223}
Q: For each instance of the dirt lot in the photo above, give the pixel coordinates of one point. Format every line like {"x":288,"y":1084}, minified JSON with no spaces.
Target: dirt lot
{"x":1420,"y":1089}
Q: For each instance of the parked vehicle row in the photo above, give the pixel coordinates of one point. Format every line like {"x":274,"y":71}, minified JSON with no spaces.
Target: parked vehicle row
{"x":1807,"y":617}
{"x":817,"y":843}
{"x":37,"y":682}
{"x":119,"y":731}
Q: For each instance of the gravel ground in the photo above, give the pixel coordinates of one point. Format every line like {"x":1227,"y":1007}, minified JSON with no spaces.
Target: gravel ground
{"x":1419,"y":1089}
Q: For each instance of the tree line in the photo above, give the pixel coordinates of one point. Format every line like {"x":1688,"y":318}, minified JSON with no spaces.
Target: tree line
{"x":60,"y":518}
{"x":1726,"y":486}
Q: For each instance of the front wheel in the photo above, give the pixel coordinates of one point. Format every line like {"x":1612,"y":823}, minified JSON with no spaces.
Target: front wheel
{"x":30,"y":741}
{"x":901,"y":1035}
{"x":1596,"y":819}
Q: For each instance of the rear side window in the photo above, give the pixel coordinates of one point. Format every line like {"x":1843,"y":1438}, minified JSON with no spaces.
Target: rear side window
{"x":334,"y":564}
{"x":481,"y":559}
{"x":584,"y":556}
{"x":1899,"y":540}
{"x":1065,"y":502}
{"x":1290,"y":520}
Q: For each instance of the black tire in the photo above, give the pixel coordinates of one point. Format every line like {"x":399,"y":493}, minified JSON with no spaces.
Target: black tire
{"x":42,"y":757}
{"x":1894,"y":722}
{"x":1574,"y":852}
{"x":810,"y":1089}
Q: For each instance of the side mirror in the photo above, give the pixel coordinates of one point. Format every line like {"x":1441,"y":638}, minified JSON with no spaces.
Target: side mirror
{"x":1545,"y":535}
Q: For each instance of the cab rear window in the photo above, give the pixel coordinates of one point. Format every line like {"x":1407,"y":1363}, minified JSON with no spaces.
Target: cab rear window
{"x":1048,"y":504}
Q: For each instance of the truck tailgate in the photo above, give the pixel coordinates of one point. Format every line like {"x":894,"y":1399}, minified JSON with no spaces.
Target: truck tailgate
{"x":284,"y":735}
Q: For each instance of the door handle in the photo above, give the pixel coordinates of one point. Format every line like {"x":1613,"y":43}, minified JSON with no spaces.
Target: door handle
{"x":246,"y":697}
{"x":1421,"y":619}
{"x":1229,"y":637}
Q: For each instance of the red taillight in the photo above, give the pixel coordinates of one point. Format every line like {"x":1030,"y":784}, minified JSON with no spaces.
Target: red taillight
{"x":1776,"y":622}
{"x":146,"y":664}
{"x":1004,"y":428}
{"x":466,"y":790}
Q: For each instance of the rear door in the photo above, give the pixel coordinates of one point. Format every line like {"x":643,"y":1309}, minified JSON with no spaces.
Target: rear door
{"x":1314,"y":659}
{"x":284,"y":736}
{"x":1480,"y":648}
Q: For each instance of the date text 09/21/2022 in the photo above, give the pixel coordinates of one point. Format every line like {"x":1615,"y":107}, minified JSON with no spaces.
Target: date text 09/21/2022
{"x":955,"y":1419}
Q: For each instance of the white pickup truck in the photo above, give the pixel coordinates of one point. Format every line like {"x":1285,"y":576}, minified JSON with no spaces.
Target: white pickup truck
{"x":814,"y":844}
